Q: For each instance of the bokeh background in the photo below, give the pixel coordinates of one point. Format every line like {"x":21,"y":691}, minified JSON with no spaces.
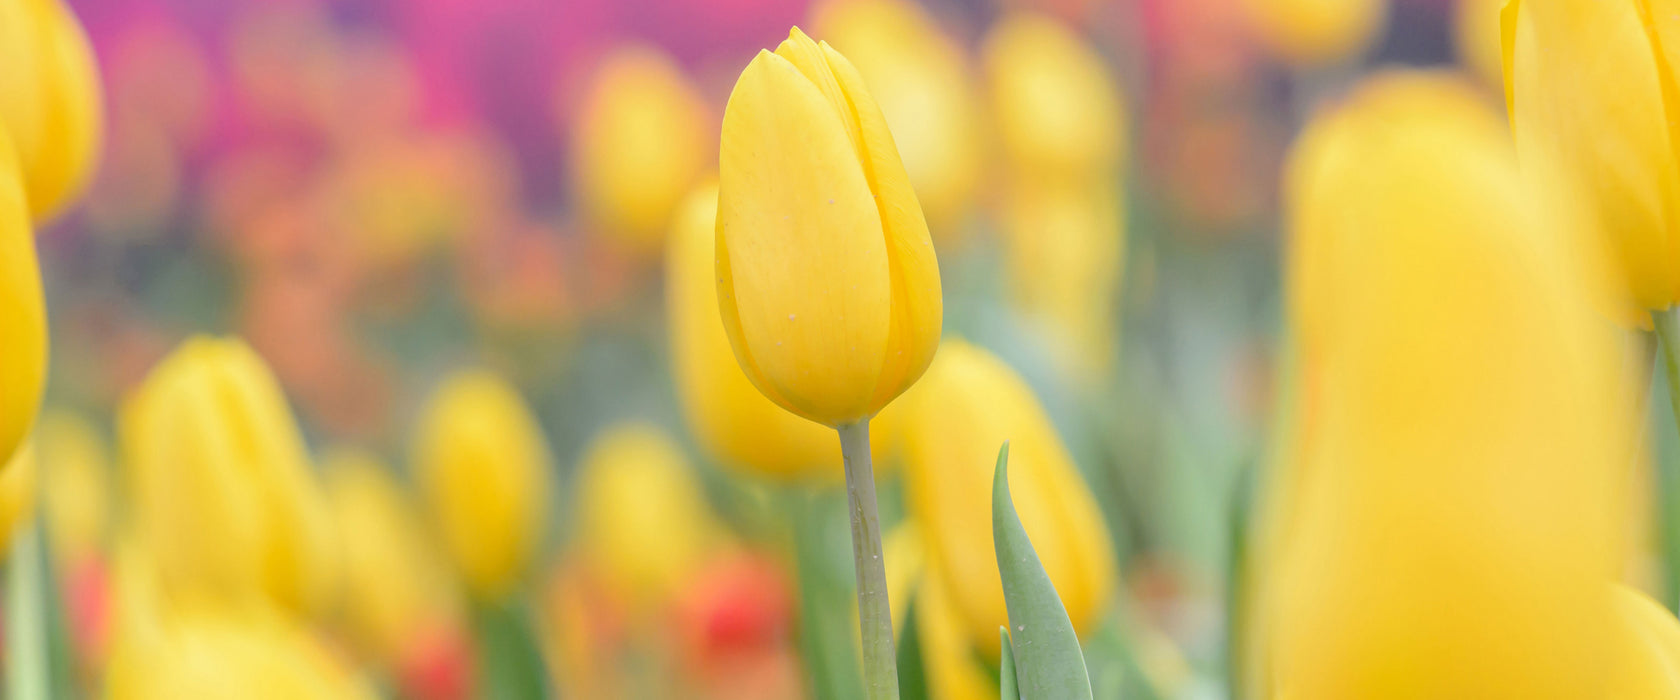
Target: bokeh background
{"x":376,"y":194}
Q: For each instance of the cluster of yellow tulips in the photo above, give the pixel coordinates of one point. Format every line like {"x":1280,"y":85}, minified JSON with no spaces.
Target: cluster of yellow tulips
{"x":1456,"y":501}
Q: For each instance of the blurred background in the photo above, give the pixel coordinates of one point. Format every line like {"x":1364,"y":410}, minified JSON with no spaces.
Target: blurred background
{"x":405,"y":206}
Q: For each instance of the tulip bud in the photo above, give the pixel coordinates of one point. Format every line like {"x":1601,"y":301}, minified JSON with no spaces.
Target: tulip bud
{"x":1059,"y":113}
{"x":395,"y":588}
{"x":222,"y":492}
{"x":1589,"y":88}
{"x":921,"y":80}
{"x":731,"y":420}
{"x":23,"y":315}
{"x":645,"y":527}
{"x":49,"y":100}
{"x":1450,"y":512}
{"x":76,"y":486}
{"x":826,"y":276}
{"x":638,"y":145}
{"x":483,"y":469}
{"x":17,"y":493}
{"x":967,"y":406}
{"x":1312,"y":33}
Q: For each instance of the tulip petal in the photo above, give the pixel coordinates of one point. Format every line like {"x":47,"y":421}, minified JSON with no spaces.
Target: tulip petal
{"x":917,"y":305}
{"x":803,"y":270}
{"x":22,"y":308}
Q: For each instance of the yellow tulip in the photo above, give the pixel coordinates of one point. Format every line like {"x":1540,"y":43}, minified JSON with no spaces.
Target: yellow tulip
{"x":921,"y":80}
{"x":1066,"y":250}
{"x":952,"y":670}
{"x":23,"y":314}
{"x":49,"y":100}
{"x":1476,"y":38}
{"x":969,"y":403}
{"x":220,"y":483}
{"x":827,"y":279}
{"x":395,"y":587}
{"x":1058,"y":109}
{"x":17,"y":493}
{"x":1450,"y":514}
{"x":733,"y":422}
{"x":645,"y":527}
{"x":1590,"y":86}
{"x":638,"y":145}
{"x":483,"y":470}
{"x":76,"y":491}
{"x":1311,"y":33}
{"x":1647,"y":664}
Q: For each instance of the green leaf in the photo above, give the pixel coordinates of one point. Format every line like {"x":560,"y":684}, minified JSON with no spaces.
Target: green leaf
{"x":1048,"y":662}
{"x":826,"y":624}
{"x":912,"y":675}
{"x":510,"y":665}
{"x":1007,"y":688}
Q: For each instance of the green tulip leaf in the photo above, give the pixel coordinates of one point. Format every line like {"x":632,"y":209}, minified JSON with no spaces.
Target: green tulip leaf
{"x":1048,"y":662}
{"x":912,"y":673}
{"x":1007,"y":689}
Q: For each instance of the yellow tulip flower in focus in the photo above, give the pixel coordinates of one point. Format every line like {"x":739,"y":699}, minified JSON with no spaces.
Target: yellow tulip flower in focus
{"x":396,"y":588}
{"x":1312,"y":33}
{"x":23,"y":313}
{"x":921,"y":80}
{"x":731,"y":420}
{"x":1449,"y":518}
{"x":645,"y":527}
{"x":955,"y":420}
{"x":49,"y":100}
{"x":220,"y":484}
{"x":638,"y":145}
{"x":482,"y":465}
{"x":76,"y":486}
{"x":1590,"y":87}
{"x":827,"y":278}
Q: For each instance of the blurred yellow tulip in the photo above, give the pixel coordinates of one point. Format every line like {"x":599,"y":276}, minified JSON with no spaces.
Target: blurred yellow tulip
{"x":644,"y":525}
{"x":827,"y":279}
{"x":49,"y":100}
{"x":1066,"y":248}
{"x":921,"y":80}
{"x":640,"y":141}
{"x":1057,"y":107}
{"x":1590,"y":86}
{"x":733,"y":422}
{"x":1476,"y":38}
{"x":482,"y":465}
{"x":952,"y":670}
{"x":954,"y":421}
{"x":395,"y":586}
{"x":76,"y":485}
{"x":17,"y":493}
{"x":1451,"y":512}
{"x":1312,"y":33}
{"x":220,"y":484}
{"x":23,"y":313}
{"x":1647,"y":665}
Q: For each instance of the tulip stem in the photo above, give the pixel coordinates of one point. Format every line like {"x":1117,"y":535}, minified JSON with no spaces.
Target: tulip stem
{"x":1667,"y":324}
{"x":880,"y":659}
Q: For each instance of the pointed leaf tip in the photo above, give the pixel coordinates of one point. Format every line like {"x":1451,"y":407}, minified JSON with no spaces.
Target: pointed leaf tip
{"x":1007,"y":689}
{"x":1048,"y":664}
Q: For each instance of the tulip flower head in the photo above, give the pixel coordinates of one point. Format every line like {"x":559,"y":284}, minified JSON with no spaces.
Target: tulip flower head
{"x":639,"y":144}
{"x":827,"y":278}
{"x":969,"y":404}
{"x":49,"y":100}
{"x":645,"y":526}
{"x":1590,"y":88}
{"x":222,"y":491}
{"x":483,"y":469}
{"x":1448,"y":519}
{"x":733,"y":422}
{"x":1058,"y":113}
{"x":23,"y":315}
{"x":76,"y":486}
